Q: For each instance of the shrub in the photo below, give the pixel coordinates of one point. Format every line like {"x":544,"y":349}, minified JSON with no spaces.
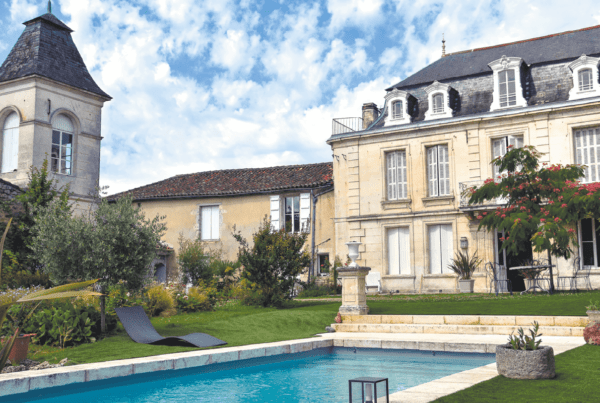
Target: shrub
{"x":591,"y":334}
{"x":195,"y":260}
{"x":158,"y":299}
{"x":316,"y":291}
{"x":194,"y":301}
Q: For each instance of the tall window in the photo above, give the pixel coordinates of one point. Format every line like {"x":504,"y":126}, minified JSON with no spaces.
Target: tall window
{"x":292,"y":214}
{"x":396,"y":175}
{"x":438,"y":171}
{"x":440,"y":248}
{"x":585,"y":80}
{"x":438,"y":103}
{"x":589,"y":236}
{"x":587,"y":152}
{"x":398,"y":251}
{"x":10,"y":143}
{"x":500,"y":147}
{"x":397,"y":110}
{"x":62,"y":145}
{"x":508,"y":93}
{"x":209,"y":222}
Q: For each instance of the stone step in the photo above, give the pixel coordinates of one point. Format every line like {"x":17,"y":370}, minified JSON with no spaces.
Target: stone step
{"x":488,"y":320}
{"x":453,"y":329}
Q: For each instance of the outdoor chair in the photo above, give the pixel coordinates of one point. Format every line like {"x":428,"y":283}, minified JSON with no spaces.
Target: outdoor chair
{"x":373,"y":282}
{"x":562,"y":281}
{"x":138,"y":327}
{"x":496,"y":283}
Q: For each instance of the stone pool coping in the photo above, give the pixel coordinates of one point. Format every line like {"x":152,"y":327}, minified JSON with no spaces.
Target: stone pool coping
{"x":22,"y":382}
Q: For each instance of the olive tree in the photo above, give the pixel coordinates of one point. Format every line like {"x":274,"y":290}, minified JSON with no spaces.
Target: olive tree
{"x":115,"y":242}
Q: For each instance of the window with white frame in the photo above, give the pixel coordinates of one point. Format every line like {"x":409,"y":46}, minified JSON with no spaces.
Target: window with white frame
{"x":438,"y":171}
{"x":587,"y":152}
{"x":438,"y":103}
{"x":440,"y":248}
{"x":398,"y":251}
{"x":290,"y":212}
{"x":10,"y":143}
{"x":500,"y":147}
{"x":62,"y":145}
{"x":589,"y":245}
{"x":209,"y":223}
{"x":396,"y":175}
{"x":397,"y":110}
{"x":507,"y":88}
{"x":397,"y":107}
{"x":585,"y":78}
{"x":438,"y":96}
{"x":508,"y":92}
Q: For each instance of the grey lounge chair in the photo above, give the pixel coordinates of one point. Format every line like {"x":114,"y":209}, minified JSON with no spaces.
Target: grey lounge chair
{"x":138,"y":327}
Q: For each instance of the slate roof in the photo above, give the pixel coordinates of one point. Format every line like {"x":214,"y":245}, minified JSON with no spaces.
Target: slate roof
{"x":550,"y":48}
{"x":46,"y":48}
{"x":236,"y":182}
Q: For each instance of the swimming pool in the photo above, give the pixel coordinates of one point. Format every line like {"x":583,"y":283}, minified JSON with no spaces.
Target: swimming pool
{"x":317,"y":375}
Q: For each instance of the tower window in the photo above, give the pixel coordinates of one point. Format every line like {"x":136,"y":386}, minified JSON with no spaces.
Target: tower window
{"x":62,"y":145}
{"x":10,"y":143}
{"x":397,"y":110}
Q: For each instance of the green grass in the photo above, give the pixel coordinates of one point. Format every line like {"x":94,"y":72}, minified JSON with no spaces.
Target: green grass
{"x":238,"y":325}
{"x":577,"y":375}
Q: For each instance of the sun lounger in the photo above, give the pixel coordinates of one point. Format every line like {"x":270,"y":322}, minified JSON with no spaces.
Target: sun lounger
{"x":138,"y":327}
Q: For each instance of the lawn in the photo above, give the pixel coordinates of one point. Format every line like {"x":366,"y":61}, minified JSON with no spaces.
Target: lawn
{"x":577,"y":375}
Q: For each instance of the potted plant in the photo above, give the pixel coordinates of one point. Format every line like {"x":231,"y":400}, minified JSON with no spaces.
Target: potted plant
{"x":464,"y":265}
{"x":593,"y":311}
{"x":523,"y":358}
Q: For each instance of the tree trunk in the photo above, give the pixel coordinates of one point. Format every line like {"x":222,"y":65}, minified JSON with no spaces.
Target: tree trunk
{"x":551,"y":278}
{"x":102,"y":311}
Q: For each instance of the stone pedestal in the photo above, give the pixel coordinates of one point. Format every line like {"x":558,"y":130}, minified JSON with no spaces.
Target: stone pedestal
{"x":354,"y":298}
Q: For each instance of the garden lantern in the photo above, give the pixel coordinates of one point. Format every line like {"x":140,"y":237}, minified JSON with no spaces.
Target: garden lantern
{"x":368,"y":390}
{"x":464,"y":242}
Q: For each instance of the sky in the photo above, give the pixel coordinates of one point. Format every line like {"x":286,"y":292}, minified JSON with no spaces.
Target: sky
{"x":221,"y":84}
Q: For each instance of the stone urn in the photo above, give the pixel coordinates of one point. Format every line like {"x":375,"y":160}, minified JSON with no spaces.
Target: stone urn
{"x":525,"y":364}
{"x":594,"y":316}
{"x":466,"y":286}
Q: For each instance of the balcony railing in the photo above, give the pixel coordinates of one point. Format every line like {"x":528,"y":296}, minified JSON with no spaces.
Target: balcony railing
{"x":346,"y":125}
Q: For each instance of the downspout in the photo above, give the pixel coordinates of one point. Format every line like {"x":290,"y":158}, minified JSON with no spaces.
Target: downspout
{"x":312,"y":259}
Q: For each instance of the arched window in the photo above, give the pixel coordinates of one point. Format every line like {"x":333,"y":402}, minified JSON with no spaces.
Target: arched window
{"x":585,"y":80}
{"x":62,"y":145}
{"x":10,"y":143}
{"x":397,"y":110}
{"x":438,"y":103}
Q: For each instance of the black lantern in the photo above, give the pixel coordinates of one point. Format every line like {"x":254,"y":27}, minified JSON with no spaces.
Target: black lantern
{"x":369,"y":388}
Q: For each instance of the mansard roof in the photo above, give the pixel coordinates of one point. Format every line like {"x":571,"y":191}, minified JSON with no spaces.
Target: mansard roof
{"x":545,"y":49}
{"x":236,"y":182}
{"x":45,"y":48}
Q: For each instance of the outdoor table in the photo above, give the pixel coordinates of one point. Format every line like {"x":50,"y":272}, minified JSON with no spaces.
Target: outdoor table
{"x":535,"y":279}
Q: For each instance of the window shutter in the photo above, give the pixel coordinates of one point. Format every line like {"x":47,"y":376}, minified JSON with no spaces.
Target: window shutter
{"x":205,"y":223}
{"x":512,"y":93}
{"x":434,"y":250}
{"x":404,"y":250}
{"x":433,"y":171}
{"x":498,"y":149}
{"x":275,"y":214}
{"x":515,"y":141}
{"x":393,"y":252}
{"x":401,"y":175}
{"x":392,"y":172}
{"x":15,"y":149}
{"x":586,"y":144}
{"x":444,"y":170}
{"x":305,"y":211}
{"x":10,"y":143}
{"x":215,"y":221}
{"x":446,"y":247}
{"x":502,"y":88}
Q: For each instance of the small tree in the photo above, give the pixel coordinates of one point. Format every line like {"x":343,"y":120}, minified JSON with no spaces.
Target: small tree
{"x":116,"y":242}
{"x":272,"y":262}
{"x":543,"y":203}
{"x":195,"y":260}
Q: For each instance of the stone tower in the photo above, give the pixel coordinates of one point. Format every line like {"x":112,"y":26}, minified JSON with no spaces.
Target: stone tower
{"x":50,"y":108}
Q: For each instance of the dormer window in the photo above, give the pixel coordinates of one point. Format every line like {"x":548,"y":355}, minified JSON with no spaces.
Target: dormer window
{"x":585,"y":78}
{"x":508,"y":92}
{"x":397,"y":114}
{"x":438,"y":95}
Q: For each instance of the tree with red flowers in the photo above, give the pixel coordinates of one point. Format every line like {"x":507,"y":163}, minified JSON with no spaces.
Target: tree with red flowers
{"x":543,"y":203}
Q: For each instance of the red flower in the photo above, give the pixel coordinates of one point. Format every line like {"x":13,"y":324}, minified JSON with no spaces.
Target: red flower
{"x":564,"y":205}
{"x":503,"y":215}
{"x":479,"y":217}
{"x":557,"y":219}
{"x":542,"y":220}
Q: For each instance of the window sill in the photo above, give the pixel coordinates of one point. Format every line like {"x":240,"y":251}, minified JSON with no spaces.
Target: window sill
{"x":398,"y":276}
{"x":440,"y":275}
{"x":438,"y":200}
{"x":396,"y":204}
{"x":210,"y":240}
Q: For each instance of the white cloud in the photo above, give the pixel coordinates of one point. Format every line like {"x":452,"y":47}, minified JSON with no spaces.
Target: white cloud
{"x":360,"y":13}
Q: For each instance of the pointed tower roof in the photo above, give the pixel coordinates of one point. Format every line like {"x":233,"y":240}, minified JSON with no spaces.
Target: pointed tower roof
{"x":45,"y":48}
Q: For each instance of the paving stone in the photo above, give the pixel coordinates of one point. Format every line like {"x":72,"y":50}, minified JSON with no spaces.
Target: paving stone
{"x":107,"y":371}
{"x":48,"y":378}
{"x":12,"y":385}
{"x":400,"y":344}
{"x":276,"y":350}
{"x":216,"y":358}
{"x":251,"y":353}
{"x":465,"y":347}
{"x":300,"y":347}
{"x":152,"y":366}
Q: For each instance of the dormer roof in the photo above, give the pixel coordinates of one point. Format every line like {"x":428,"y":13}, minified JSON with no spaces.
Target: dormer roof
{"x":46,"y":48}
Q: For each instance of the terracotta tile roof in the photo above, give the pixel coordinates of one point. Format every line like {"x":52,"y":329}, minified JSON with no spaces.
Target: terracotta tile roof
{"x":233,"y":182}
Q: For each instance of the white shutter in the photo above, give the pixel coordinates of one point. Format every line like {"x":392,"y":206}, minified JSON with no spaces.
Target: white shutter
{"x":15,"y":149}
{"x":434,"y":250}
{"x":585,"y":145}
{"x":215,"y":221}
{"x":432,"y":171}
{"x":392,"y":172}
{"x":10,"y":143}
{"x":444,"y":170}
{"x":515,"y":141}
{"x":275,"y":213}
{"x":305,"y":211}
{"x":393,"y":252}
{"x":498,"y":150}
{"x":404,"y":250}
{"x":401,"y":175}
{"x":205,"y":223}
{"x":446,"y":247}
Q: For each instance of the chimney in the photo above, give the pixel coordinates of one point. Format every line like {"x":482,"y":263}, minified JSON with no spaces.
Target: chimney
{"x":369,"y":114}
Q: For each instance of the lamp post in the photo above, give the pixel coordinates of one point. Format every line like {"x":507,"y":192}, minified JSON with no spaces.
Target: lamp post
{"x":368,"y":390}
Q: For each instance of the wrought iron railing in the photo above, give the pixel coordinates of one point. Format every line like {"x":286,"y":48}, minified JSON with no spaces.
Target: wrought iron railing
{"x":346,"y":125}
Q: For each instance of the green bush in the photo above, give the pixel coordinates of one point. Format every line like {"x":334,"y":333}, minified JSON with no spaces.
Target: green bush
{"x":24,"y":278}
{"x":194,"y":301}
{"x":316,"y":291}
{"x":158,"y":300}
{"x":196,"y":260}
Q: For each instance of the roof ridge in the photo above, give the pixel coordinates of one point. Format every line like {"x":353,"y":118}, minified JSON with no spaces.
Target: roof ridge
{"x":522,"y":41}
{"x":249,"y":169}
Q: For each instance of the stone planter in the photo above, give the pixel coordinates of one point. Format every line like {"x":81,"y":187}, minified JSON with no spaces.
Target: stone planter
{"x":19,"y":349}
{"x":528,"y":283}
{"x":466,"y":286}
{"x":594,"y":316}
{"x":530,"y":364}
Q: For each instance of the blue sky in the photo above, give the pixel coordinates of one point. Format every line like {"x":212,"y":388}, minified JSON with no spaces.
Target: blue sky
{"x":203,"y":85}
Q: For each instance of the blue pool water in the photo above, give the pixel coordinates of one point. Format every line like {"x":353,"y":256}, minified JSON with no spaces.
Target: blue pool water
{"x":319,"y":375}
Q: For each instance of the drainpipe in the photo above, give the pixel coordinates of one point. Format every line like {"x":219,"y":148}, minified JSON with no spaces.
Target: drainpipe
{"x":312,"y":227}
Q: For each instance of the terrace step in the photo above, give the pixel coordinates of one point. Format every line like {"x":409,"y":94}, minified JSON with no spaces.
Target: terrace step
{"x":487,"y":320}
{"x":453,"y":329}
